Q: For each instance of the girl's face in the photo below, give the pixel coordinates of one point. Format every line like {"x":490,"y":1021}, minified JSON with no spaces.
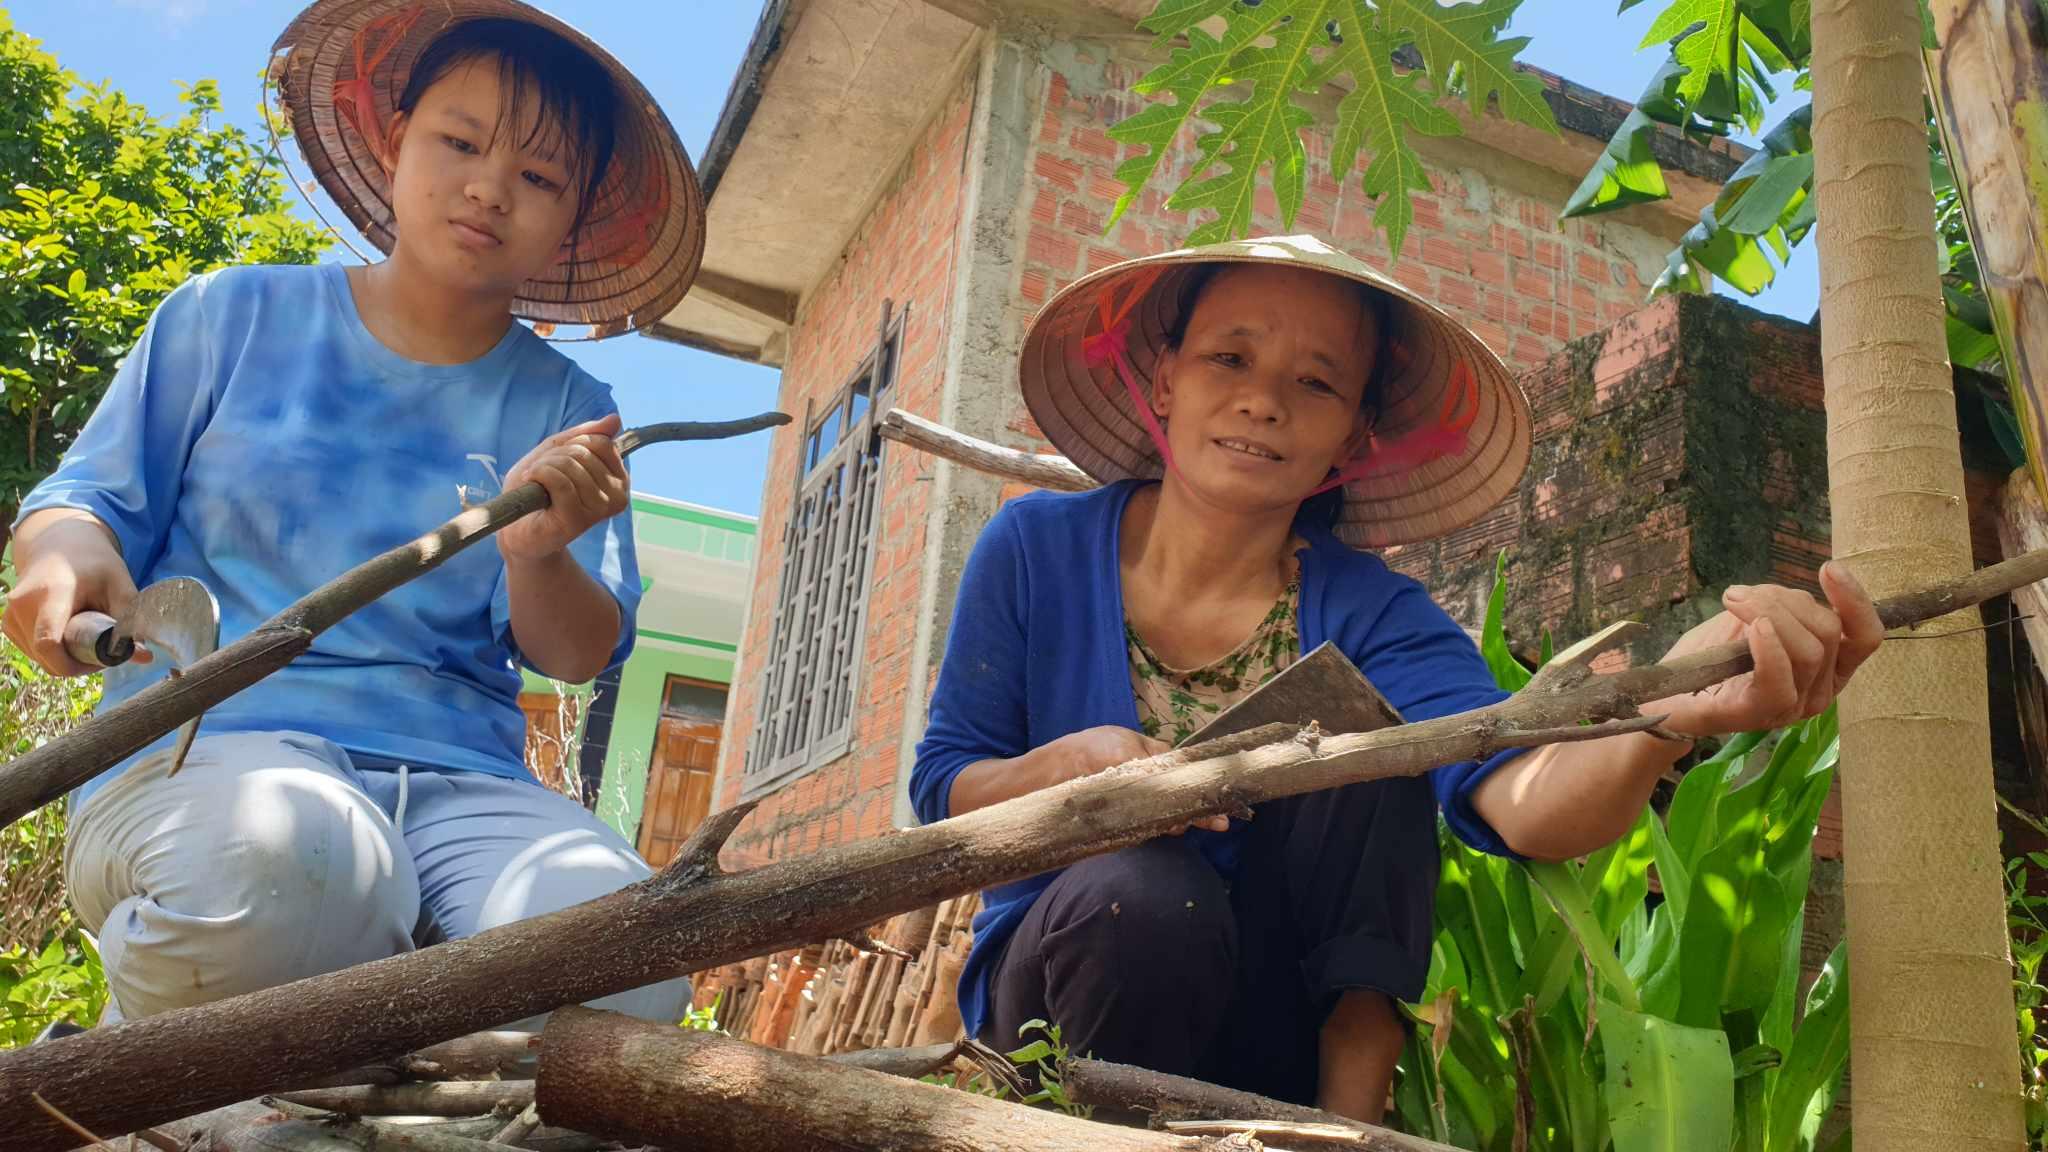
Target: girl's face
{"x":1264,"y":395}
{"x":483,"y":202}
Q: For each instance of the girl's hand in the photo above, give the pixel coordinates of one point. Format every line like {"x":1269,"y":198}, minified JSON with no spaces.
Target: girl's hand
{"x":1805,"y":652}
{"x":67,"y":563}
{"x":586,"y":482}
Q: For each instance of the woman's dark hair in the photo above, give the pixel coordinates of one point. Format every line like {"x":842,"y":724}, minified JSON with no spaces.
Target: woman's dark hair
{"x":579,"y":104}
{"x":1322,"y":509}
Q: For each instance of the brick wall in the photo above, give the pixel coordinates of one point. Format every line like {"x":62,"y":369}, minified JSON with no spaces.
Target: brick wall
{"x":904,"y":253}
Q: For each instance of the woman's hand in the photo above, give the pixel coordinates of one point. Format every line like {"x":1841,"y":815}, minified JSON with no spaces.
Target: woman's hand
{"x":1055,"y":762}
{"x":1805,"y":652}
{"x":1563,"y":801}
{"x":586,"y":483}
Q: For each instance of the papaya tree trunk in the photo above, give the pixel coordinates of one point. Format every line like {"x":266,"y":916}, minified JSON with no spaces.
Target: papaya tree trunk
{"x":1989,"y":80}
{"x":1933,"y":1048}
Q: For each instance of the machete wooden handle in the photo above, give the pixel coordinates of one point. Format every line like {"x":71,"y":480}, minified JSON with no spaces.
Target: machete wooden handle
{"x":90,"y":639}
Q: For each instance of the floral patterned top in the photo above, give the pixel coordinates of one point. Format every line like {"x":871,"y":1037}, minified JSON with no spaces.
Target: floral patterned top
{"x":1174,"y":704}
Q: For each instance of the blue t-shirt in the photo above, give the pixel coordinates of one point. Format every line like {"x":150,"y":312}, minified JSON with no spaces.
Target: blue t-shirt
{"x":260,"y":439}
{"x":1037,"y":651}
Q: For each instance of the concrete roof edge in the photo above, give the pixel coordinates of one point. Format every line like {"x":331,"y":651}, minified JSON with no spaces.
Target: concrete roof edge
{"x":743,"y":97}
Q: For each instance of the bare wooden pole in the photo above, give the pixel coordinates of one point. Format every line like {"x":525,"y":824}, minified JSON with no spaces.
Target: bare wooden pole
{"x":28,"y":782}
{"x":1040,"y":471}
{"x":435,"y":1098}
{"x":626,"y":1079}
{"x":1102,"y":1084}
{"x":694,"y":916}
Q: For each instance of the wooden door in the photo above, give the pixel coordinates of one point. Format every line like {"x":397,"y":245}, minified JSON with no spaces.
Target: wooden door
{"x":678,"y":785}
{"x":546,"y":744}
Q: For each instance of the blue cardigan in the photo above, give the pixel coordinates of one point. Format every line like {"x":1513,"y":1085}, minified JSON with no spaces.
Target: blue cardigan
{"x":1037,"y":651}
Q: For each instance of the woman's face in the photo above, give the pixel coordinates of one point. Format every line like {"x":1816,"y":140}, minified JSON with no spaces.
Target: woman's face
{"x":1264,"y":395}
{"x":482,"y":201}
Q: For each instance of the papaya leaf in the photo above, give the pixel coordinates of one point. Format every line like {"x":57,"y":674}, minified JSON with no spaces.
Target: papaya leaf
{"x":1464,"y":38}
{"x":1704,"y":35}
{"x":1205,"y":62}
{"x":1372,"y":115}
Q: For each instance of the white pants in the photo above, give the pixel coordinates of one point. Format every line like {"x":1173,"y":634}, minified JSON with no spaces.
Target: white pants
{"x":270,"y":857}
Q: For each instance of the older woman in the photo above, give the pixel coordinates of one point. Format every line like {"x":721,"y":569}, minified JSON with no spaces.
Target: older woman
{"x":1260,"y":413}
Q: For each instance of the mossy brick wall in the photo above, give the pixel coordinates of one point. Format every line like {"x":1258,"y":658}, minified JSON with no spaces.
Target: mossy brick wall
{"x":903,"y":253}
{"x":1680,"y":451}
{"x":1677,"y":453}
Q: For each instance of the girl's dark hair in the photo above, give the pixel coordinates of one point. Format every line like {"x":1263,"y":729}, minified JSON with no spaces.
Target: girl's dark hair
{"x":1322,"y":509}
{"x":579,"y":104}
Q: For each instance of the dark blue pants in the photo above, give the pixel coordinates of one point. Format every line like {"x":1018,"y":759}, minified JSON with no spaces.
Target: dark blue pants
{"x":1150,"y":957}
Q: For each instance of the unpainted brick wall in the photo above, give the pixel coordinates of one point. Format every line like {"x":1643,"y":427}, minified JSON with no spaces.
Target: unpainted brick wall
{"x":904,"y":254}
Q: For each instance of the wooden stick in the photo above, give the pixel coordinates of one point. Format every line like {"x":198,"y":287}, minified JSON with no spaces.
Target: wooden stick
{"x":38,"y":777}
{"x":1040,"y":471}
{"x":441,"y":1098}
{"x":1102,"y":1084}
{"x":520,"y":1127}
{"x":1283,"y":1134}
{"x":626,"y":1079}
{"x":695,"y":915}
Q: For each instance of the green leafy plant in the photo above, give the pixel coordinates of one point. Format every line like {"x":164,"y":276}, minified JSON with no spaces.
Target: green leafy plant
{"x":1568,"y":1009}
{"x":49,"y":968}
{"x":2029,"y":932}
{"x":1241,"y":88}
{"x":704,"y":1019}
{"x":104,"y":209}
{"x":1041,"y":1060}
{"x":63,"y":981}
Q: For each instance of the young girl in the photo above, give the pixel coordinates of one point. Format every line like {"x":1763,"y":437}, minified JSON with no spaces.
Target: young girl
{"x":1259,"y":413}
{"x":275,"y":426}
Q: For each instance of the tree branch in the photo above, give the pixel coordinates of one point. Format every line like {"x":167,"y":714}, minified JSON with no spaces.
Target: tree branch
{"x":32,"y":780}
{"x":1040,"y":471}
{"x":627,"y":1079}
{"x":111,"y":1078}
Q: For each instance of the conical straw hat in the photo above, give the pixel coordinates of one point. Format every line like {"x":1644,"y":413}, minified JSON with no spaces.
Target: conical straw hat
{"x":337,"y":73}
{"x":1452,"y":436}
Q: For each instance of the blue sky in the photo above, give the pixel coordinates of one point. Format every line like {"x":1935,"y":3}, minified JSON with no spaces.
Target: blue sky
{"x":686,"y":54}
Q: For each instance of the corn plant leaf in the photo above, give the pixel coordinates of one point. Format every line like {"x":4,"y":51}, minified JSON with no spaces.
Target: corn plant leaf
{"x":1813,"y":1064}
{"x":1507,"y":671}
{"x":1470,"y":908}
{"x":1564,"y":1058}
{"x":1730,"y":947}
{"x":1669,"y":1088}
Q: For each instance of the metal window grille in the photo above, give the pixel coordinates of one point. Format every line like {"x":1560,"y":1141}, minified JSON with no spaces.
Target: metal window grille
{"x":812,"y":676}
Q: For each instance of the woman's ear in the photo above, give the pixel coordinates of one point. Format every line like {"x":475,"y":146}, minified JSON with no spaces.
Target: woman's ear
{"x":1162,"y":382}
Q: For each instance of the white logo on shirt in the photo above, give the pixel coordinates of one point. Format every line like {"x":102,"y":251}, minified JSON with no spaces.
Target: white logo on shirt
{"x":469,"y":495}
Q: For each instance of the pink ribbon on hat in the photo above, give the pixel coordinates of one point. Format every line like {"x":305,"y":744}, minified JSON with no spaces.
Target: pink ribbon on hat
{"x":356,"y":98}
{"x":1448,"y":436}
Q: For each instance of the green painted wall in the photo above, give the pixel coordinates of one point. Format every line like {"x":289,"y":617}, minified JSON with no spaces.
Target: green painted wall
{"x":670,"y":538}
{"x":634,"y":720}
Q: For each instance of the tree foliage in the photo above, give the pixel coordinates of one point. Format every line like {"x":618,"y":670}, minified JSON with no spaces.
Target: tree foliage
{"x":1240,"y":70}
{"x":104,"y":209}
